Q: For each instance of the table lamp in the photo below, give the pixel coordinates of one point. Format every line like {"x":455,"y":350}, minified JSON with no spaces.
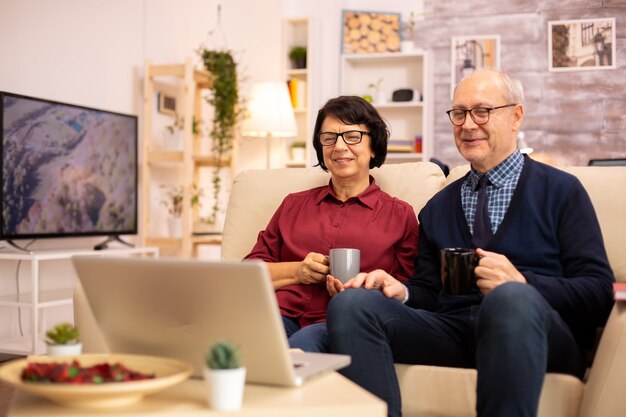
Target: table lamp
{"x":270,"y":114}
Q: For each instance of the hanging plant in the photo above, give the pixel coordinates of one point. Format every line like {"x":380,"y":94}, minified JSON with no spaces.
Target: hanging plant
{"x":223,"y":97}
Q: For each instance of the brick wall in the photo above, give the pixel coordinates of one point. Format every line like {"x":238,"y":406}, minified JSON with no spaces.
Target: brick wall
{"x":570,"y":116}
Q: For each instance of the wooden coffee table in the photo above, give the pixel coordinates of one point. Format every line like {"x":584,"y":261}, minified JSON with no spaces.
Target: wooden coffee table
{"x":328,"y":395}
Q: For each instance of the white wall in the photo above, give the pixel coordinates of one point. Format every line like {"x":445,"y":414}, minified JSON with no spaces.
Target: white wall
{"x":92,"y":53}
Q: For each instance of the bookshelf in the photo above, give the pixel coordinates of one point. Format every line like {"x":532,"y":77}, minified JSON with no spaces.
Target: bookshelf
{"x":296,"y":33}
{"x":410,"y":122}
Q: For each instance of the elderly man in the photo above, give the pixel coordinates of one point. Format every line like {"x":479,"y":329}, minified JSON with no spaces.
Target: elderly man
{"x":543,"y":281}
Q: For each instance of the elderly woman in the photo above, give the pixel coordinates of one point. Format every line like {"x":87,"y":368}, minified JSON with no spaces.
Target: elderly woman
{"x":351,"y":211}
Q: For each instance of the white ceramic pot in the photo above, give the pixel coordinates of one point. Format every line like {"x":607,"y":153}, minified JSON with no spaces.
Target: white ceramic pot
{"x":407,"y":46}
{"x":71,"y":349}
{"x":176,"y":226}
{"x":224,"y":388}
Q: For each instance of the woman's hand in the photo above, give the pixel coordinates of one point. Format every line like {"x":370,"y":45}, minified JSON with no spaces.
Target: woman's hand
{"x":333,"y":285}
{"x":379,"y":280}
{"x":313,"y":269}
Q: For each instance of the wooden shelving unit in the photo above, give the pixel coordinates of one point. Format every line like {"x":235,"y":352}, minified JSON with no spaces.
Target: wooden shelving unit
{"x":189,"y":160}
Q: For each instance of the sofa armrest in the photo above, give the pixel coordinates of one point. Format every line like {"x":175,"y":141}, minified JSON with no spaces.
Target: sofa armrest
{"x":604,"y":390}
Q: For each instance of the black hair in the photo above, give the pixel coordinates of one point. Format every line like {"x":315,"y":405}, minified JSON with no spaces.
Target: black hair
{"x":353,"y":110}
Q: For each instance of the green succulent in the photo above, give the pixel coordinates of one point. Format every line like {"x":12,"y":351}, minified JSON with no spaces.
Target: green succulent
{"x":62,"y":334}
{"x":223,"y":355}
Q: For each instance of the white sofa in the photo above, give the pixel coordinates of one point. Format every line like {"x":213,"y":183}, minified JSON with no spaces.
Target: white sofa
{"x":439,"y":391}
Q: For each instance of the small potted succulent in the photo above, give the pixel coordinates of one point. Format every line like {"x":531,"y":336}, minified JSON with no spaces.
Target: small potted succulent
{"x":297,"y":55}
{"x":225,"y":377}
{"x":62,"y":340}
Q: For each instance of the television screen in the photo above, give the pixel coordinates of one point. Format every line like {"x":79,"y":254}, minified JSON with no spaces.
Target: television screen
{"x":66,"y":170}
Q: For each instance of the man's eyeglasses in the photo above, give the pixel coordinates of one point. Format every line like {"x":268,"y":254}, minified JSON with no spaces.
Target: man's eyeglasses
{"x":480,"y":115}
{"x":350,"y":137}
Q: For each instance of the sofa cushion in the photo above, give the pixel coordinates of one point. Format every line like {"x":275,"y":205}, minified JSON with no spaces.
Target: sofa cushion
{"x":429,"y":391}
{"x":256,"y":195}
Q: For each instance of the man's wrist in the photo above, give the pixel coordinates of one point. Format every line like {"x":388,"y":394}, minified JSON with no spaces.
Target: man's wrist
{"x":406,"y":294}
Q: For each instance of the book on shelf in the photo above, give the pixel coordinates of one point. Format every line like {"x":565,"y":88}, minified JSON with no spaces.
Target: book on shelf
{"x":400,"y":145}
{"x":619,"y":291}
{"x":297,"y":91}
{"x":399,"y":149}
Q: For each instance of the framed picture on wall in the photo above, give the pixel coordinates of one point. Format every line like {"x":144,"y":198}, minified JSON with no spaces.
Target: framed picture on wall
{"x":470,"y":53}
{"x":583,"y":44}
{"x":370,"y":32}
{"x":166,"y":104}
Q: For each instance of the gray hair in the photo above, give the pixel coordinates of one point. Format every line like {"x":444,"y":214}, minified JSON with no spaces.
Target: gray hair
{"x":513,"y":90}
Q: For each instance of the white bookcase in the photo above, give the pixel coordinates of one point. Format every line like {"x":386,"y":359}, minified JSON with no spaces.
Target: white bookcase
{"x":296,"y":33}
{"x":36,"y":300}
{"x":394,"y":71}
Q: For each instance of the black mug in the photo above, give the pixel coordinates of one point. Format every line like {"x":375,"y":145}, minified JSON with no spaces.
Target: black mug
{"x":457,"y":270}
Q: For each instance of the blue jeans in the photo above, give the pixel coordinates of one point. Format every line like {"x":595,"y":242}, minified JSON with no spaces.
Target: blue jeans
{"x":512,"y":339}
{"x":312,"y":338}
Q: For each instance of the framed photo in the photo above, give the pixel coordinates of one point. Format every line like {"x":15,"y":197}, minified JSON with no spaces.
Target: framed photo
{"x":470,"y":53}
{"x":583,"y":44}
{"x":166,"y":104}
{"x":370,"y":32}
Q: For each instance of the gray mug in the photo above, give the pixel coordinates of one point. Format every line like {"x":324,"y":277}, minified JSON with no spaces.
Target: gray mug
{"x":345,"y":263}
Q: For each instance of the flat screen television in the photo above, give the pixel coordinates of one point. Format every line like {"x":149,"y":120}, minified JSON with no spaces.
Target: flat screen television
{"x":614,"y":162}
{"x":67,"y":170}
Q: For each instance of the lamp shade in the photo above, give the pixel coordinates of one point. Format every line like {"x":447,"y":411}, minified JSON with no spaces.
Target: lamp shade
{"x":269,"y":111}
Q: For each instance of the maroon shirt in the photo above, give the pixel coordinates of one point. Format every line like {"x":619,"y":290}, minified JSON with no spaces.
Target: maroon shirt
{"x":384,"y":228}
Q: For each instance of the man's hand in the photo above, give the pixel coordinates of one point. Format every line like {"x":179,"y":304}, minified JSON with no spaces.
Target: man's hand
{"x":379,"y":280}
{"x":313,"y":269}
{"x":494,"y":269}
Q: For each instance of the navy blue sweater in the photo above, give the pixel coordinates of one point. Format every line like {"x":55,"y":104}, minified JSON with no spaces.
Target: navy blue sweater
{"x":550,"y":233}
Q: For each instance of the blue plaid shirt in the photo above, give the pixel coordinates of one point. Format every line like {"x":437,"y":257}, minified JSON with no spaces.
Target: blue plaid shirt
{"x":502,"y":182}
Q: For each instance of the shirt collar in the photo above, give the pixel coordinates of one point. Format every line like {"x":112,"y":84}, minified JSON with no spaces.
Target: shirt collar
{"x":368,"y":197}
{"x":500,"y":174}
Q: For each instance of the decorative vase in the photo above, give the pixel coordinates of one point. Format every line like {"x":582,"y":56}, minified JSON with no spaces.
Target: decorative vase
{"x":407,"y":46}
{"x":176,"y":226}
{"x":225,"y":388}
{"x":70,"y":349}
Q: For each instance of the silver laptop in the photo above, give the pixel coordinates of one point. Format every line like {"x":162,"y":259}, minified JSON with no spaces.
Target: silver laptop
{"x":178,"y":308}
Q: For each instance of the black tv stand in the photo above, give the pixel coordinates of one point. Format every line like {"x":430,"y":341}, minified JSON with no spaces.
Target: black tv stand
{"x":112,"y":238}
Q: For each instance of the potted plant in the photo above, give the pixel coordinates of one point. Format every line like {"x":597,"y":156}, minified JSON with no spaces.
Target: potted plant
{"x":224,"y":376}
{"x":297,"y":55}
{"x":173,"y":136}
{"x":173,"y":201}
{"x":298,"y":151}
{"x":224,"y":98}
{"x":62,"y":340}
{"x":377,"y":93}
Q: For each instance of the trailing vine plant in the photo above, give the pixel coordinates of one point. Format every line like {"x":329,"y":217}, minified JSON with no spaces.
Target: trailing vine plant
{"x":223,"y":97}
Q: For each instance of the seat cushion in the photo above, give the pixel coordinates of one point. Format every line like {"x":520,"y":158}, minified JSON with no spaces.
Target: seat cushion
{"x":435,"y":391}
